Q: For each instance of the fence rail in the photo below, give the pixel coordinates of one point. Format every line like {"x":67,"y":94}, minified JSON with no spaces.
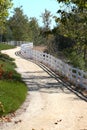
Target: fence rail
{"x":18,"y":43}
{"x":76,"y":76}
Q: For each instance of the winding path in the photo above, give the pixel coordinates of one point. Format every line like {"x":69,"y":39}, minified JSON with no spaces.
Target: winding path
{"x":49,"y":105}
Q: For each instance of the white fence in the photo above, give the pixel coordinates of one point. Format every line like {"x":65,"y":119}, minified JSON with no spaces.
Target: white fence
{"x":76,"y":76}
{"x":17,"y":43}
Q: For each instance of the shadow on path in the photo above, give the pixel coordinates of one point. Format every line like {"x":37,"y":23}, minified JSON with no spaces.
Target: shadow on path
{"x":52,"y":83}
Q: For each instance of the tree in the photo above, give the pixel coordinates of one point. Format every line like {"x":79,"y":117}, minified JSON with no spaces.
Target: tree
{"x":18,"y":24}
{"x":46,"y":18}
{"x":34,"y":30}
{"x":80,"y":3}
{"x":4,"y":6}
{"x":73,"y":24}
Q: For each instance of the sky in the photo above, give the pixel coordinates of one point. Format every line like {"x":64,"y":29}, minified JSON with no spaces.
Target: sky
{"x":34,"y":8}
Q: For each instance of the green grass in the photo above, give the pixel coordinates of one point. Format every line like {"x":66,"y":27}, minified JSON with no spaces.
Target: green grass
{"x":12,"y":95}
{"x":5,"y":46}
{"x":13,"y":90}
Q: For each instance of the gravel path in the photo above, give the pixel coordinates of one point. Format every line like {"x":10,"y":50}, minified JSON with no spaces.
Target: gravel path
{"x":49,"y":105}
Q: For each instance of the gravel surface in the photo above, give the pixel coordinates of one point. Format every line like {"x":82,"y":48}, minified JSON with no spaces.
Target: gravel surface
{"x":49,"y":104}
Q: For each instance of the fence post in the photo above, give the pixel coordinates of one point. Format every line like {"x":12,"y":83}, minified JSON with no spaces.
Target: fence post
{"x":81,"y":78}
{"x":77,"y":77}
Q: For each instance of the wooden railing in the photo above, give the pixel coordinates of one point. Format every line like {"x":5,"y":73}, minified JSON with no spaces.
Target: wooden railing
{"x":74,"y":75}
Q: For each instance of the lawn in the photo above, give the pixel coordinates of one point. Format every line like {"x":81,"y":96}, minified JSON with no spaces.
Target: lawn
{"x":13,"y":90}
{"x":12,"y":95}
{"x":6,"y":46}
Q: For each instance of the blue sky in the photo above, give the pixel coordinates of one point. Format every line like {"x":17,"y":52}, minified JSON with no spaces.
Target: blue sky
{"x":34,"y":8}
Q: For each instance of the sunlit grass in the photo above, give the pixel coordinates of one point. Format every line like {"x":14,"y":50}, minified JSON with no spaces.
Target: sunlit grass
{"x":12,"y":95}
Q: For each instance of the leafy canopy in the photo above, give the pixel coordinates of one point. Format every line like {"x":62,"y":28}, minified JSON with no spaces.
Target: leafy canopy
{"x":4,"y":6}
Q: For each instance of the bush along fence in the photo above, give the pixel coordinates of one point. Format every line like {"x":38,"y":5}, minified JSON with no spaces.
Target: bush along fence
{"x":74,"y":75}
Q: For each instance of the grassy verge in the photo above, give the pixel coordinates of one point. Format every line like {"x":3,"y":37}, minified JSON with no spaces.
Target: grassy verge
{"x":12,"y":95}
{"x":13,"y":90}
{"x":6,"y":46}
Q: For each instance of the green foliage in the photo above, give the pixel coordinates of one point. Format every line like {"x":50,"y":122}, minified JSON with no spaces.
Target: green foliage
{"x":75,"y":59}
{"x":4,"y":6}
{"x":18,"y":24}
{"x":51,"y":44}
{"x":73,"y":25}
{"x":20,"y":28}
{"x":80,"y":3}
{"x":34,"y":31}
{"x":8,"y":34}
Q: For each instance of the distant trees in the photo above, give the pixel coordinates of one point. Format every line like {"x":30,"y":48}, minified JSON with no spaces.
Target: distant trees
{"x":18,"y":24}
{"x":34,"y":30}
{"x":22,"y":28}
{"x":46,"y":19}
{"x":46,"y":30}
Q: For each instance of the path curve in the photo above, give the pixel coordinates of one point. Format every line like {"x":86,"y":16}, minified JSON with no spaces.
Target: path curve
{"x":51,"y":106}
